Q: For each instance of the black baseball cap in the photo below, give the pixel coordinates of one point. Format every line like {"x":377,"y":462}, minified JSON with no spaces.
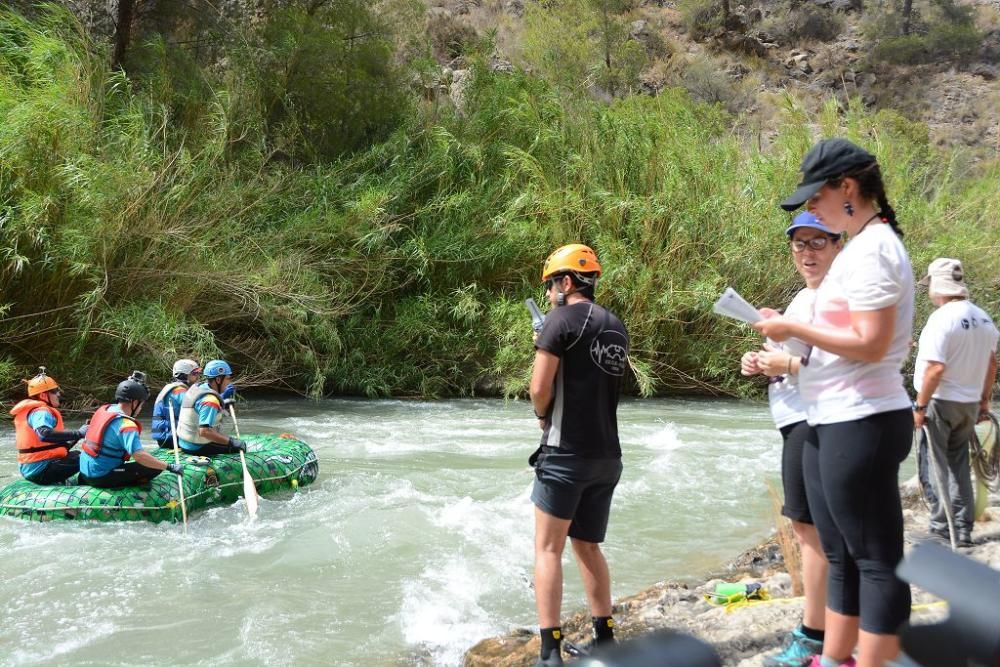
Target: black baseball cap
{"x":828,"y":160}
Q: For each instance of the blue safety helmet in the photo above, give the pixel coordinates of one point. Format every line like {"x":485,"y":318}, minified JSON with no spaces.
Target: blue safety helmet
{"x":216,"y":368}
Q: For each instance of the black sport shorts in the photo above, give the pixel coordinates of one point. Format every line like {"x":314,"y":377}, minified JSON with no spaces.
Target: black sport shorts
{"x":796,"y":506}
{"x":570,"y":487}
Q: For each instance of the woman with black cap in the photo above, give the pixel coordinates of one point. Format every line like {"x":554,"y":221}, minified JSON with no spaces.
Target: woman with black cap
{"x":852,"y":388}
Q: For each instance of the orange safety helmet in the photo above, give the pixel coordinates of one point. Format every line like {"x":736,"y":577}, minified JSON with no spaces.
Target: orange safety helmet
{"x":575,"y":258}
{"x":41,"y":383}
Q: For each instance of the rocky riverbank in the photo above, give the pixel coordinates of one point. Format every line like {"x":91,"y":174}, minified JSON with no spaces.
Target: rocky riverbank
{"x":741,"y":635}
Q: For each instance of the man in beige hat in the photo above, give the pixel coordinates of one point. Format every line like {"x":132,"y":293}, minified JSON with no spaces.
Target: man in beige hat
{"x":958,"y":342}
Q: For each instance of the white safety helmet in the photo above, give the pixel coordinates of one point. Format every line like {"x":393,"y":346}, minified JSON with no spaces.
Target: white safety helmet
{"x":183,"y":367}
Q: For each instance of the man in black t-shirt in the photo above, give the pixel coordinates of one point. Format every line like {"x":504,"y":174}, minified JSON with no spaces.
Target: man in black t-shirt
{"x":580,"y":358}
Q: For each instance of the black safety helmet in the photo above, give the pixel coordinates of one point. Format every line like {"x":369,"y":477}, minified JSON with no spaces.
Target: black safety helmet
{"x":133,"y":388}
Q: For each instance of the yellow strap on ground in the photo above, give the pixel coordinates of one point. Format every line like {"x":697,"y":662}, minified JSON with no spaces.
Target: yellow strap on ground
{"x":746,"y":603}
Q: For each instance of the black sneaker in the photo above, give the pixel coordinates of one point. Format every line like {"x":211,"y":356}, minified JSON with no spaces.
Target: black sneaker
{"x":553,"y":660}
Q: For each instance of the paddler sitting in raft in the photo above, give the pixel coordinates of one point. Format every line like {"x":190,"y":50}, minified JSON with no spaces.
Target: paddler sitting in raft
{"x":201,"y":412}
{"x":186,"y":372}
{"x":43,"y":447}
{"x":113,"y":438}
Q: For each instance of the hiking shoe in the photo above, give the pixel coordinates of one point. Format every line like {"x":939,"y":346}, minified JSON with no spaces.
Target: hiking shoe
{"x":797,"y":651}
{"x":554,"y":660}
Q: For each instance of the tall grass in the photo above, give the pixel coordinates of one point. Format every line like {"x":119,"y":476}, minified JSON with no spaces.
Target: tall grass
{"x":134,"y":234}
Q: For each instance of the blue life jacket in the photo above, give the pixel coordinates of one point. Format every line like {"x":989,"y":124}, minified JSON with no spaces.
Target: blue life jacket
{"x":163,"y":432}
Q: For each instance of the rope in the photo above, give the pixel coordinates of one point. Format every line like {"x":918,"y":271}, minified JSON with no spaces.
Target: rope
{"x":986,"y":464}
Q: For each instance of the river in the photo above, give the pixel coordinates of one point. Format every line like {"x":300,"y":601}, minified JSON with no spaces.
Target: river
{"x":414,"y":543}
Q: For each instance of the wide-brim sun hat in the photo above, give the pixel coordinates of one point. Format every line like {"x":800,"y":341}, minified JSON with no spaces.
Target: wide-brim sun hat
{"x":828,"y":160}
{"x":945,"y":277}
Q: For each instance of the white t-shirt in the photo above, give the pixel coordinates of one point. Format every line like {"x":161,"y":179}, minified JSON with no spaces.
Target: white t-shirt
{"x":786,"y":404}
{"x":961,"y":336}
{"x":872,"y":272}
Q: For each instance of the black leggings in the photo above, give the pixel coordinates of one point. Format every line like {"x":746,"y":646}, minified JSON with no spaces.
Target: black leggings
{"x":58,"y":470}
{"x":128,"y":474}
{"x":852,"y":482}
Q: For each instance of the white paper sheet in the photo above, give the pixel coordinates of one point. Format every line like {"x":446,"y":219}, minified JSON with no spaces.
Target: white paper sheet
{"x":731,"y":304}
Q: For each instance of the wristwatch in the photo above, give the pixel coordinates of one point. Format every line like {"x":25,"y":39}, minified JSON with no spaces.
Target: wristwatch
{"x":919,"y":408}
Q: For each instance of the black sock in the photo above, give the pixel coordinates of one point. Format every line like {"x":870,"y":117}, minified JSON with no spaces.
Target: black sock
{"x":812,"y":633}
{"x":604,"y":629}
{"x":551,"y":639}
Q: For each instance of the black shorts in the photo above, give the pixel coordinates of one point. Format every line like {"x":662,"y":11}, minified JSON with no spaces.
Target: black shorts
{"x":570,"y":487}
{"x":796,"y":506}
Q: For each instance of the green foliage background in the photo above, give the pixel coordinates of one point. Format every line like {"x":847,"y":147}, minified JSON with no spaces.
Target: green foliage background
{"x":302,"y":212}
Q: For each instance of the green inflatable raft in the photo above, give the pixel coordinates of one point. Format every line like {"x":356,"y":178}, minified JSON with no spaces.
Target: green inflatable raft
{"x":276,"y":463}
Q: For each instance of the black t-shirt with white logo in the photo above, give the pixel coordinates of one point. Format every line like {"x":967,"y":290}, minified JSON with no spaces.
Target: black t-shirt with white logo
{"x":592,"y":345}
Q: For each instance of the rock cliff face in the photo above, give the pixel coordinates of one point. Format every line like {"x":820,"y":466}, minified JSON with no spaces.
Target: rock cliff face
{"x":741,"y":635}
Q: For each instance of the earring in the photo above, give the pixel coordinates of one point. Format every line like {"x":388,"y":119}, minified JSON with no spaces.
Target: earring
{"x":849,"y":208}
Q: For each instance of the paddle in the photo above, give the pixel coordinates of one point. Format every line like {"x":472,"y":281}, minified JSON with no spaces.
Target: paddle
{"x":249,"y":490}
{"x":177,"y":459}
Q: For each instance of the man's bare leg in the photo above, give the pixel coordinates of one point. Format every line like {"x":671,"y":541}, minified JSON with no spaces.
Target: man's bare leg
{"x":550,"y":540}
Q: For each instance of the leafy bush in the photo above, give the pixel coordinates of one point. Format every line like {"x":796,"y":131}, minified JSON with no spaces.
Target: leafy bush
{"x":328,"y":76}
{"x":450,"y":35}
{"x":707,"y":83}
{"x":792,"y":22}
{"x":700,"y":18}
{"x":580,"y":44}
{"x":936,"y":31}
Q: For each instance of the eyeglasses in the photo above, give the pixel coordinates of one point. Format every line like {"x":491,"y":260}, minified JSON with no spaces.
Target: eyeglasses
{"x":816,"y":243}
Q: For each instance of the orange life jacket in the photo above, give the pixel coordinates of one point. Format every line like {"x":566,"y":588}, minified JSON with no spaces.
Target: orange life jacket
{"x":31,"y":448}
{"x":98,"y":425}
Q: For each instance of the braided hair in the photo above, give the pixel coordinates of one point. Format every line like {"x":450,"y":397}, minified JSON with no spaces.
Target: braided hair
{"x":871,"y":186}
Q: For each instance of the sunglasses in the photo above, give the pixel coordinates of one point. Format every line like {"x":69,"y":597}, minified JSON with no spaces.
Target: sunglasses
{"x":816,"y":243}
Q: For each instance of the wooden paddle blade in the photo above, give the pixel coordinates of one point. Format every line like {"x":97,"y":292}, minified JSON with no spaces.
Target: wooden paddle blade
{"x":249,"y":490}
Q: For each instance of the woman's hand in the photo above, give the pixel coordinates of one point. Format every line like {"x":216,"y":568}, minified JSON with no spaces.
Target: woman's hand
{"x":773,"y":362}
{"x":749,"y":365}
{"x":776,"y":327}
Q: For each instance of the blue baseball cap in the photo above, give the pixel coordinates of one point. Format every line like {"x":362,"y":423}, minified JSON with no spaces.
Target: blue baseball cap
{"x":807,"y":219}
